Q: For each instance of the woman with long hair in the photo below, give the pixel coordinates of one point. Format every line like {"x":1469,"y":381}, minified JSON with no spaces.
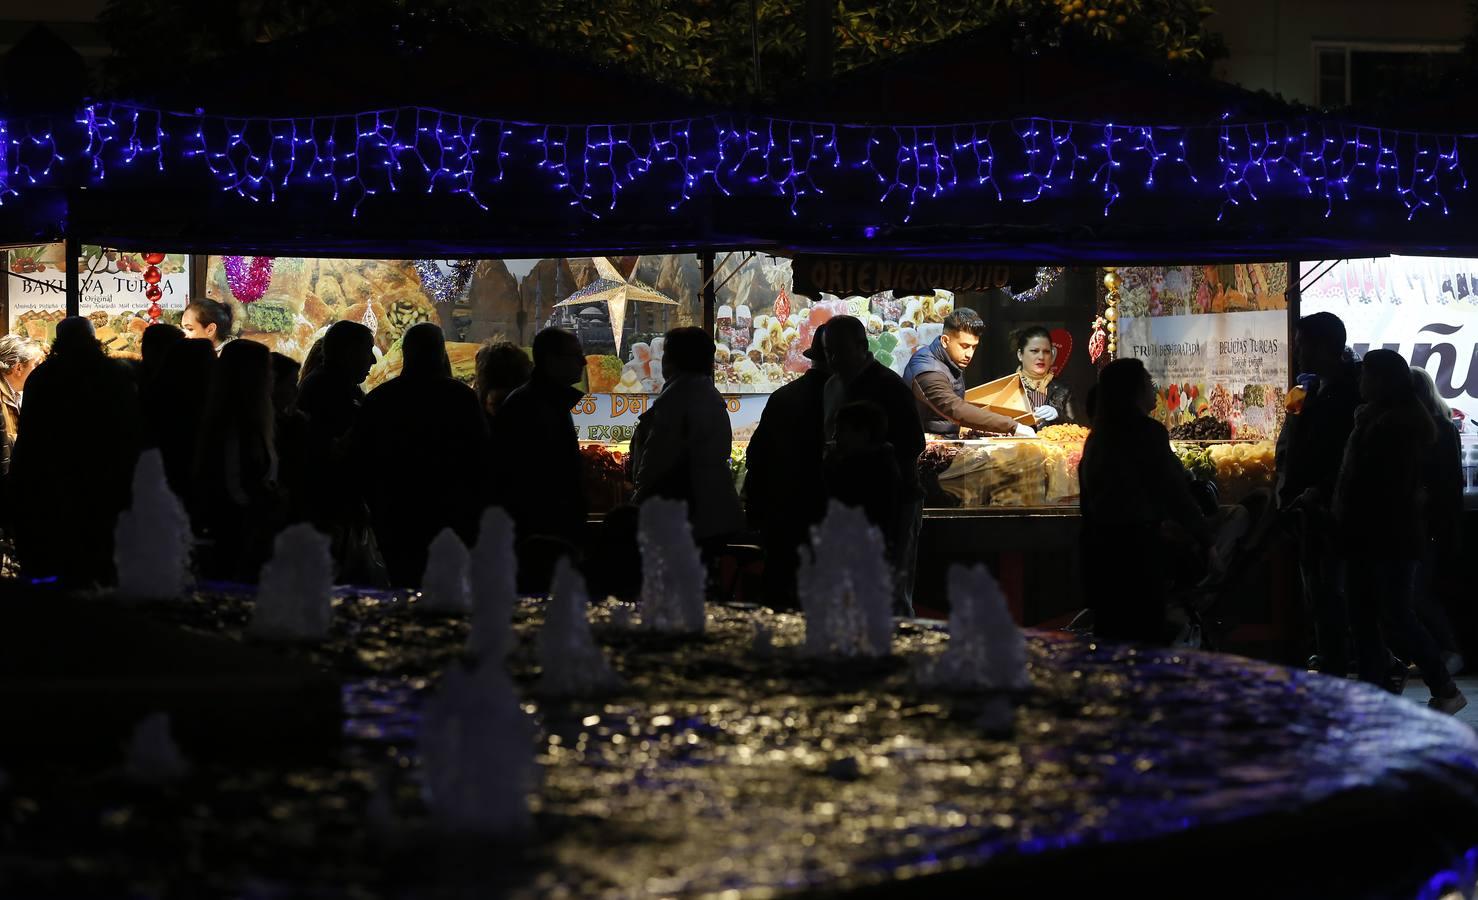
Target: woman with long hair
{"x":502,"y":366}
{"x":1442,"y":479}
{"x":1381,"y":517}
{"x":236,"y":506}
{"x":1133,"y":489}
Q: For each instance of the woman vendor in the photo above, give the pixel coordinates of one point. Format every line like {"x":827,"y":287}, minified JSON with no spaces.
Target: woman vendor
{"x":1050,"y":401}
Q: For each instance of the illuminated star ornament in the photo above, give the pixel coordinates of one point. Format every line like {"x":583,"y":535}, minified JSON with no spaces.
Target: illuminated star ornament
{"x":615,"y":291}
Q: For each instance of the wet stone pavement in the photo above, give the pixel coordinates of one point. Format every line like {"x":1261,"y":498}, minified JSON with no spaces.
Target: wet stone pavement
{"x":721,"y":770}
{"x":1417,"y":693}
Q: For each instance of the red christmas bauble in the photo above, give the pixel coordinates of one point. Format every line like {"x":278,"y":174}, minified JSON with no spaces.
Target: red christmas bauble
{"x":151,"y":275}
{"x":153,"y":293}
{"x":153,"y":259}
{"x":155,"y":312}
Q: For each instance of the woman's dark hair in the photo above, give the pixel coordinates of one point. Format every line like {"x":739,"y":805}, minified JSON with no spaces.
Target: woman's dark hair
{"x":1023,"y":336}
{"x":285,"y":371}
{"x":75,"y":337}
{"x":343,"y":344}
{"x":155,"y":344}
{"x":1119,"y":390}
{"x":209,"y":312}
{"x":239,"y":408}
{"x":1391,"y":370}
{"x":187,"y":368}
{"x":689,"y":350}
{"x":501,"y":367}
{"x":312,"y":362}
{"x":423,"y":350}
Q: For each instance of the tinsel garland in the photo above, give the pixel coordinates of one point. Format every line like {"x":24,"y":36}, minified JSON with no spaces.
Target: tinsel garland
{"x":440,"y":287}
{"x":248,"y":283}
{"x":1046,"y":277}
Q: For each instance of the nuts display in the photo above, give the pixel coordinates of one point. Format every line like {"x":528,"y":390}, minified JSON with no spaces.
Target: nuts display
{"x":404,"y":313}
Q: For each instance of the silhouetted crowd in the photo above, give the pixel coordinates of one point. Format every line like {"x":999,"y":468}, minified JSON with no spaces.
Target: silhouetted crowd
{"x":1369,"y":470}
{"x":1369,"y":482}
{"x":251,"y":442}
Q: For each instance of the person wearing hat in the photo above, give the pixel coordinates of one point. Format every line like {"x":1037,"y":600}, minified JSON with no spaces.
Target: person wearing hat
{"x":783,"y":490}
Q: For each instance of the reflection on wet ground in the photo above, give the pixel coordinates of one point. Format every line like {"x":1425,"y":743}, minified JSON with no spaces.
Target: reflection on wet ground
{"x":718,"y":770}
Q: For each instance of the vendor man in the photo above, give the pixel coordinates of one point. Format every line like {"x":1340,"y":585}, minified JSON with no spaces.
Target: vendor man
{"x":936,"y":374}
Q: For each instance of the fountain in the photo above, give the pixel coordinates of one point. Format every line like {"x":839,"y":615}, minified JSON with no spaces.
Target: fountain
{"x":379,"y":811}
{"x":477,"y":754}
{"x":572,"y":664}
{"x":623,"y":616}
{"x":846,"y":588}
{"x":295,"y":592}
{"x":986,"y":650}
{"x":997,"y":717}
{"x":763,"y":644}
{"x":153,"y":756}
{"x":446,"y":586}
{"x":493,"y":571}
{"x":673,"y":576}
{"x":152,"y":538}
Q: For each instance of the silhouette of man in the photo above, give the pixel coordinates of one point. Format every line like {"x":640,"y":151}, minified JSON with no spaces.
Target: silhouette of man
{"x":535,"y":450}
{"x":330,"y":398}
{"x":1311,"y":447}
{"x":419,"y":422}
{"x":783,"y":489}
{"x":72,"y":468}
{"x":859,"y":378}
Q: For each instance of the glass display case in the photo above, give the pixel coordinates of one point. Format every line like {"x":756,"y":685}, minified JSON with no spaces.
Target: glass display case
{"x":1001,"y":473}
{"x":606,"y":472}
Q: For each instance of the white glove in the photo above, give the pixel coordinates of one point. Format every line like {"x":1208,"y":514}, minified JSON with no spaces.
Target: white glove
{"x":1045,"y":414}
{"x":1025,"y":431}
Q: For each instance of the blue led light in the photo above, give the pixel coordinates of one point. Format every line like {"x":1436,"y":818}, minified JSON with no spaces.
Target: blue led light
{"x":593,"y":166}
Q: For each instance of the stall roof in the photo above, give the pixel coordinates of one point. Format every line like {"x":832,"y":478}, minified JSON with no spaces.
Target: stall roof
{"x":1201,"y":171}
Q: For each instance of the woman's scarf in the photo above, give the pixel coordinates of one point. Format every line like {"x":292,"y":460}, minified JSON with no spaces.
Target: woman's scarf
{"x":1035,"y":385}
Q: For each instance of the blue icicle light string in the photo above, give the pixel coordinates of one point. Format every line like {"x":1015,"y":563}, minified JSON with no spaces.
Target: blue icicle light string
{"x":353,"y":158}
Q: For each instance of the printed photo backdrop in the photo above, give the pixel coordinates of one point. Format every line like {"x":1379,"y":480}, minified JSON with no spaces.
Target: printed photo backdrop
{"x":1425,"y":308}
{"x":113,"y":293}
{"x":493,"y":299}
{"x":763,"y":327}
{"x":1215,"y":339}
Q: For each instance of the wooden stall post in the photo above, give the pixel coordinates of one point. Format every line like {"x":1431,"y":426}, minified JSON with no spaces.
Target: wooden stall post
{"x":197,"y":276}
{"x":71,"y":261}
{"x":1293,"y":299}
{"x":710,"y":291}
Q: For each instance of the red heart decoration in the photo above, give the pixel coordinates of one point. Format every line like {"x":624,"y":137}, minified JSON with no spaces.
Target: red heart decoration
{"x":1062,"y":342}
